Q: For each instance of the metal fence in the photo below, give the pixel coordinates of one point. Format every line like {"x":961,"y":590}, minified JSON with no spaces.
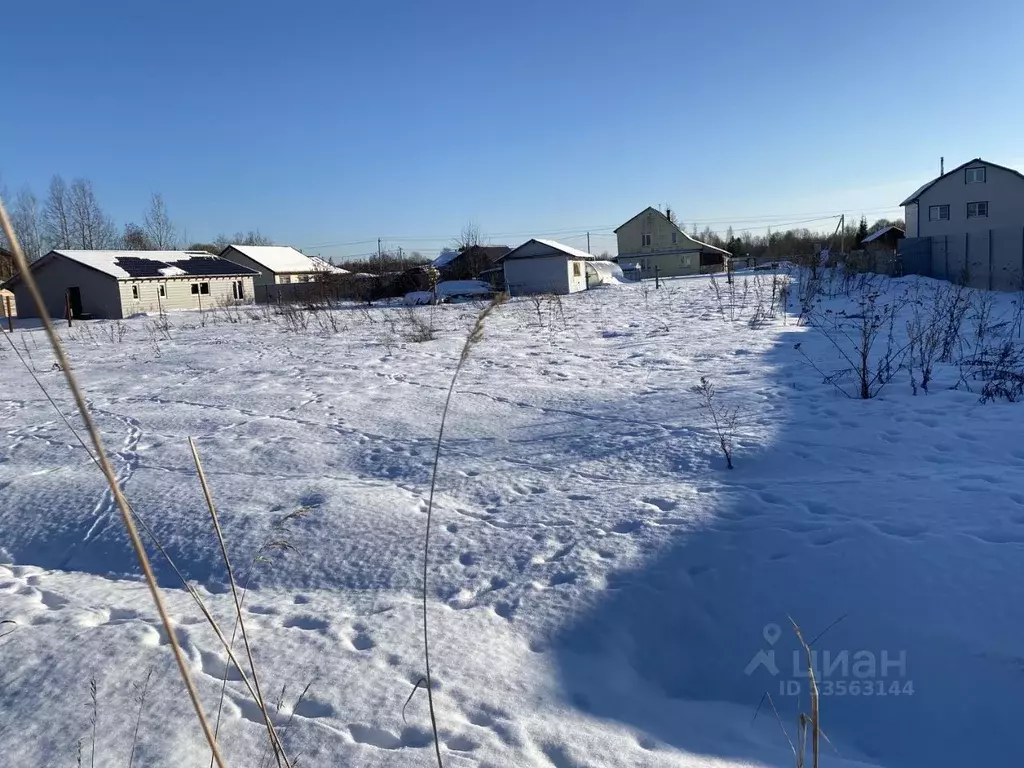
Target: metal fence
{"x":992,"y":259}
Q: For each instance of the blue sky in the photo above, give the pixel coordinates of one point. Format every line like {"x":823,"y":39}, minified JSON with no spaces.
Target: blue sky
{"x":327,"y":123}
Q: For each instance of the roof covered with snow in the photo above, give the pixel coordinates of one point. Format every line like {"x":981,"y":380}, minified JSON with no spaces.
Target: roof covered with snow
{"x":141,"y":265}
{"x":283,"y":259}
{"x":882,"y":232}
{"x":524,"y":251}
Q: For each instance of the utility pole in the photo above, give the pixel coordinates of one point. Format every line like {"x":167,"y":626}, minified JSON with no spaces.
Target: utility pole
{"x":378,"y":249}
{"x":588,"y":242}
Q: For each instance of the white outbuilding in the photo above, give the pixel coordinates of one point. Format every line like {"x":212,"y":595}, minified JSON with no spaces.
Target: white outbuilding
{"x":545,"y":266}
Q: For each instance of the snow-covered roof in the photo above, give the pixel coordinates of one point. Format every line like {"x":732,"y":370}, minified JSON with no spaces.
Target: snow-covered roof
{"x":881,"y":232}
{"x":446,"y":257}
{"x":284,"y":258}
{"x":568,"y":250}
{"x":136,"y":265}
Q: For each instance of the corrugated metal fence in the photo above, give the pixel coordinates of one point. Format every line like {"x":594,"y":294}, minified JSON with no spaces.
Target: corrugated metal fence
{"x":992,"y":259}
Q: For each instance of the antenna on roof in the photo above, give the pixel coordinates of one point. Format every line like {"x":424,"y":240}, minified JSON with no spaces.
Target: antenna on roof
{"x":942,"y":166}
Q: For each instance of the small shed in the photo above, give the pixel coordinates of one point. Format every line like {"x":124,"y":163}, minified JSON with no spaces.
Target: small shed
{"x":282,"y":272}
{"x":886,"y":239}
{"x":545,"y":266}
{"x":116,"y":284}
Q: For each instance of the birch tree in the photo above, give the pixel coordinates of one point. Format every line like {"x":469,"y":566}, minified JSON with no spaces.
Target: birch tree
{"x":160,"y":230}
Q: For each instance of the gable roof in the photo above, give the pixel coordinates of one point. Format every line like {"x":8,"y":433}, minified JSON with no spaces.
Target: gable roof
{"x":139,"y":265}
{"x":645,"y":210}
{"x":284,"y":258}
{"x":567,"y":250}
{"x":914,"y":197}
{"x":882,"y":232}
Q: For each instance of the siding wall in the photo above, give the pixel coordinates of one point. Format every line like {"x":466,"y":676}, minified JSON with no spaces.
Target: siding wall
{"x":668,"y":264}
{"x":99,"y":291}
{"x":179,"y":294}
{"x":910,"y":218}
{"x":548,"y":274}
{"x":264,"y":278}
{"x":630,"y":238}
{"x":1002,"y":190}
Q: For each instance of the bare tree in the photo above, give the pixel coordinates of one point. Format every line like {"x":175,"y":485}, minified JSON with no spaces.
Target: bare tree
{"x":25,"y":220}
{"x":160,"y":230}
{"x":252,"y":237}
{"x":135,"y":238}
{"x":91,"y":228}
{"x":56,"y":219}
{"x":469,"y":236}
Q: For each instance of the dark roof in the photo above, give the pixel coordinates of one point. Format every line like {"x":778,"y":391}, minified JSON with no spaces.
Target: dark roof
{"x":490,"y":252}
{"x":198,"y":265}
{"x":897,"y":231}
{"x":914,"y":197}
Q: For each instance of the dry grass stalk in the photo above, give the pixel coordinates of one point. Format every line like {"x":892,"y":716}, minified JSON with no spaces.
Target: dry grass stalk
{"x":475,"y":335}
{"x":274,"y":743}
{"x":143,"y":689}
{"x":108,"y":471}
{"x":813,"y":721}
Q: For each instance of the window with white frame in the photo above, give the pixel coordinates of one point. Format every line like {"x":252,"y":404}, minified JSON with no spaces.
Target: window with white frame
{"x":162,"y":291}
{"x":201,"y":288}
{"x":238,"y":290}
{"x":645,"y":240}
{"x":938,"y":213}
{"x":135,"y":292}
{"x":975,"y":175}
{"x":977,"y":210}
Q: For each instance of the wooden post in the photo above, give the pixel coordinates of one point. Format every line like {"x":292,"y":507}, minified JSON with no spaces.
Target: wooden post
{"x":990,"y":275}
{"x":657,"y":277}
{"x":10,"y":317}
{"x":67,"y":307}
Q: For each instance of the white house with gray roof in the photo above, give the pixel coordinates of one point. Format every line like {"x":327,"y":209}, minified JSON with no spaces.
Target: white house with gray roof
{"x":279,"y":266}
{"x":545,"y":266}
{"x":117,"y":284}
{"x":969,"y":222}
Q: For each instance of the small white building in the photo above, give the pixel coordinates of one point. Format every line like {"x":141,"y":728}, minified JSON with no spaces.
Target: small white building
{"x":116,"y":284}
{"x":280,"y":265}
{"x":545,"y":266}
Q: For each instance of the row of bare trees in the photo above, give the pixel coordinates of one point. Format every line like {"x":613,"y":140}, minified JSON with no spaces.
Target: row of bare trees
{"x":71,"y":217}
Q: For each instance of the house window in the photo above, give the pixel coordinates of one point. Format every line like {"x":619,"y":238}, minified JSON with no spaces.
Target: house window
{"x":286,"y":278}
{"x":201,"y":288}
{"x":977,"y":210}
{"x":575,"y":269}
{"x":135,"y":292}
{"x":238,"y":290}
{"x":674,"y":236}
{"x":938,"y":213}
{"x":645,"y":240}
{"x":162,"y":290}
{"x":975,"y":175}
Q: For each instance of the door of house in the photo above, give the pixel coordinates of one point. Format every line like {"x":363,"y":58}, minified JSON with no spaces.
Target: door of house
{"x":75,"y":301}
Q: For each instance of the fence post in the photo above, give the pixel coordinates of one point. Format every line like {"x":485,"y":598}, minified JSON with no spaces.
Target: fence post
{"x":657,"y":278}
{"x":10,"y":317}
{"x":67,"y":307}
{"x":945,"y":249}
{"x":990,"y":275}
{"x":967,"y":256}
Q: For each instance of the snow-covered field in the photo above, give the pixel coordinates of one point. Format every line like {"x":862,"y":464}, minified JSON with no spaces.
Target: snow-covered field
{"x":602,"y":590}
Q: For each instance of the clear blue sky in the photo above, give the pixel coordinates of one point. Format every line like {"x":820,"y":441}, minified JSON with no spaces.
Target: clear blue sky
{"x":333,"y":122}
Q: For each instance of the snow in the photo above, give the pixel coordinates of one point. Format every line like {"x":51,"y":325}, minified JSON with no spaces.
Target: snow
{"x":283,"y":258}
{"x":106,"y":261}
{"x":878,"y":233}
{"x":599,"y":583}
{"x":445,"y":258}
{"x":568,"y":250}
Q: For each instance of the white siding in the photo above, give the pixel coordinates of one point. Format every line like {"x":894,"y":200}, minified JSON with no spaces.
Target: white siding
{"x":178,"y":293}
{"x":548,"y":274}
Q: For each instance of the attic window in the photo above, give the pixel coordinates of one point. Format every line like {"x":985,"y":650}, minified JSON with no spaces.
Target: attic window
{"x":975,"y":175}
{"x":674,"y":236}
{"x":645,"y":240}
